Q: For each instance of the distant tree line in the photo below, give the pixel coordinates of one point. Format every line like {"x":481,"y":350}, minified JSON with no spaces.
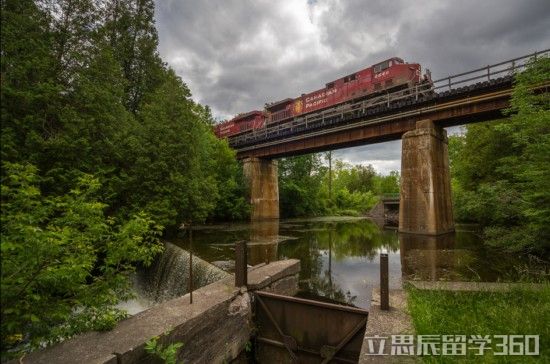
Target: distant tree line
{"x":312,"y":185}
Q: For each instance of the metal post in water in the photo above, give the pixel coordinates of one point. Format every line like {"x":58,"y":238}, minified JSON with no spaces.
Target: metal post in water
{"x":190,"y":264}
{"x":241,"y":270}
{"x":330,"y":177}
{"x":384,"y":284}
{"x":330,"y":257}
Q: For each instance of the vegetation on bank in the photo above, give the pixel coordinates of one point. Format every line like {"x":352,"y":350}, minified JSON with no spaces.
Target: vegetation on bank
{"x":501,"y":170}
{"x":309,"y":187}
{"x":518,"y":312}
{"x":102,"y":149}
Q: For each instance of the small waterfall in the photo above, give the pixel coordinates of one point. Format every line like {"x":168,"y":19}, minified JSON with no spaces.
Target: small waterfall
{"x":168,"y":277}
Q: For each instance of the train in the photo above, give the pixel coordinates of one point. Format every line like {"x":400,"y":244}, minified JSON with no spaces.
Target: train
{"x":387,"y":76}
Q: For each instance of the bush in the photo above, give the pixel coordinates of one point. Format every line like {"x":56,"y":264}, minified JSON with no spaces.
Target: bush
{"x":64,"y":264}
{"x":361,"y":202}
{"x":501,"y":169}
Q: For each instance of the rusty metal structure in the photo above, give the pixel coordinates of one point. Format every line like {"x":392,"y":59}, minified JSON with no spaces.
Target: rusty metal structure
{"x":291,"y":329}
{"x":472,"y":96}
{"x":297,"y":330}
{"x":384,"y":283}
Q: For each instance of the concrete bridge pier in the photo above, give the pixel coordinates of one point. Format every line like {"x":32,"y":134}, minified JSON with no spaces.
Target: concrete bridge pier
{"x":425,"y":199}
{"x":263,"y":186}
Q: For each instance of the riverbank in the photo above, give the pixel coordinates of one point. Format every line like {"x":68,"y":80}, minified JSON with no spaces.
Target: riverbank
{"x":519,"y":311}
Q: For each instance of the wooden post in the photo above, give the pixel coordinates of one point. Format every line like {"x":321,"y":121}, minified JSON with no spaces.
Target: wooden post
{"x":241,"y":270}
{"x":384,"y":284}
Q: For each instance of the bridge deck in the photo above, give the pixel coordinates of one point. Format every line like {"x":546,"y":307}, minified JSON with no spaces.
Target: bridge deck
{"x":472,"y":96}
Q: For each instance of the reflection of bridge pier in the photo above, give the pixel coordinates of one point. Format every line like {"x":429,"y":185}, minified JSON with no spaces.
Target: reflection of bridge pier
{"x":427,"y":257}
{"x":264,"y":240}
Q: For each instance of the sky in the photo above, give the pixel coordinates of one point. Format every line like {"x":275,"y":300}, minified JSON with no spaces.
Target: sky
{"x":237,"y":55}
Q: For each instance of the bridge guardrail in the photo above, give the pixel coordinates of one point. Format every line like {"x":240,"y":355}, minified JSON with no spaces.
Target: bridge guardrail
{"x":339,"y":113}
{"x":488,"y":72}
{"x":368,"y":121}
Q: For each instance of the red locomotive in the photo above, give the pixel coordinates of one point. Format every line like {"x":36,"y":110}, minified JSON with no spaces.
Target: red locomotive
{"x":241,"y":123}
{"x":391,"y":74}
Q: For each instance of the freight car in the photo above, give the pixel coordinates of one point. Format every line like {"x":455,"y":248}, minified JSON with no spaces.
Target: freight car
{"x":252,"y":120}
{"x":388,"y":76}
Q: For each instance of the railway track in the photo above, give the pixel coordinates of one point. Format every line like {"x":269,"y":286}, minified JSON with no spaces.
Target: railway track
{"x":442,"y":95}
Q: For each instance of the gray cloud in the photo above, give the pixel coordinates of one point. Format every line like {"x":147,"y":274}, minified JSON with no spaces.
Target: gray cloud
{"x":237,"y":55}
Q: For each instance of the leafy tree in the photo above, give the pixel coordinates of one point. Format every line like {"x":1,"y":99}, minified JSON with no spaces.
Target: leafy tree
{"x":299,"y":184}
{"x":64,"y":264}
{"x":93,"y":97}
{"x":358,"y":178}
{"x":29,"y":88}
{"x":103,"y":149}
{"x":305,"y":184}
{"x":501,"y":169}
{"x":387,"y":184}
{"x":170,"y":167}
{"x":231,"y":201}
{"x":130,"y":30}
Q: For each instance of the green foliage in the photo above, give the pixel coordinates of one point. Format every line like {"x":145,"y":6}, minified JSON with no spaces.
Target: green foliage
{"x":64,"y":264}
{"x":308,"y":188}
{"x":361,"y":202}
{"x":103,"y":148}
{"x":169,"y":353}
{"x":387,"y":185}
{"x":344,"y":239}
{"x":501,"y":169}
{"x":357,"y":178}
{"x":518,"y":312}
{"x":91,"y":96}
{"x":299,"y":184}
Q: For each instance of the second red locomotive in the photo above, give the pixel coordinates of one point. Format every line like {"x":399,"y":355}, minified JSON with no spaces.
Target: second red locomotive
{"x":390,"y":74}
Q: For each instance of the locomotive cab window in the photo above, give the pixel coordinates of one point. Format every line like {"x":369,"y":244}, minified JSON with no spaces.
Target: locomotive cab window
{"x":381,"y":66}
{"x":349,"y":78}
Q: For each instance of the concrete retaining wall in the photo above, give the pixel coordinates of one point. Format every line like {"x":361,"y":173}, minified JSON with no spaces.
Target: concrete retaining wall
{"x":214,"y":329}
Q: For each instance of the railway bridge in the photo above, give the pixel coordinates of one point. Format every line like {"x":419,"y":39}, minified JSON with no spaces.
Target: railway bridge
{"x":417,"y":117}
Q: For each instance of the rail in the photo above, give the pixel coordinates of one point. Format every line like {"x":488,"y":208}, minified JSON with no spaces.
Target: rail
{"x":337,"y":114}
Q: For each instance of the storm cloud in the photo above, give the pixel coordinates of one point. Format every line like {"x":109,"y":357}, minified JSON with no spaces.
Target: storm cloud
{"x":237,"y":55}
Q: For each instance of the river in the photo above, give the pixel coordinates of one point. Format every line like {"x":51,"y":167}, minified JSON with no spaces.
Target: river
{"x":339,"y":258}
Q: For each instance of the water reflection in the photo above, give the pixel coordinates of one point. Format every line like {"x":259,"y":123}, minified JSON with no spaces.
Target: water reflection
{"x":340,"y":256}
{"x":428,"y":257}
{"x":339,"y":259}
{"x":263,"y":241}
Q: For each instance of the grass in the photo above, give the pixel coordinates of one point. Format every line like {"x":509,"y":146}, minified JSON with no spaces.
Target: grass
{"x":517,"y":312}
